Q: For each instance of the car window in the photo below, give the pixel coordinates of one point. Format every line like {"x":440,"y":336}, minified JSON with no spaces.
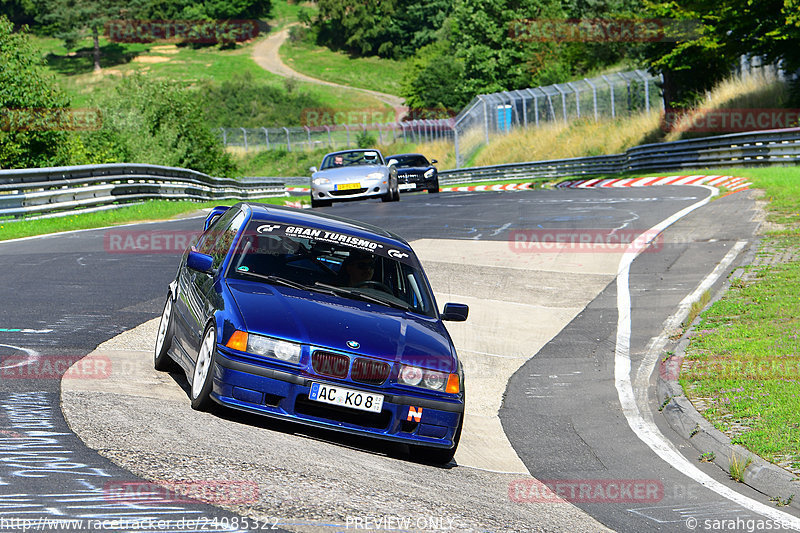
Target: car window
{"x":218,"y":239}
{"x":307,"y":258}
{"x":346,"y":159}
{"x":412,"y":161}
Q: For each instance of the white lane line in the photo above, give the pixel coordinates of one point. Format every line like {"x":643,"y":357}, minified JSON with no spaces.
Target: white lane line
{"x":33,"y":355}
{"x":645,"y":429}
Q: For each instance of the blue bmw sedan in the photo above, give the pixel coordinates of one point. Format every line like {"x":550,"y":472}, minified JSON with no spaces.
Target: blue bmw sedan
{"x":315,"y":319}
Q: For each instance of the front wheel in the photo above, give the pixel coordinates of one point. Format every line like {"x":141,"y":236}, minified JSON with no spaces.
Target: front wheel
{"x":320,"y":203}
{"x":202,"y":379}
{"x":434,"y":189}
{"x":161,"y":360}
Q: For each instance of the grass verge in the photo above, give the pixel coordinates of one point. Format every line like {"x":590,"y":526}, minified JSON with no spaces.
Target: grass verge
{"x":374,"y":73}
{"x":742,"y":365}
{"x":147,"y":211}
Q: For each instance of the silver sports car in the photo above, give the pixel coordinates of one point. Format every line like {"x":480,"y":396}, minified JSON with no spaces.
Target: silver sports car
{"x":353,"y":175}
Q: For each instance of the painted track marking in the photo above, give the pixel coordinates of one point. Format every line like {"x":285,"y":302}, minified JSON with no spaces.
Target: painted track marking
{"x":645,"y":428}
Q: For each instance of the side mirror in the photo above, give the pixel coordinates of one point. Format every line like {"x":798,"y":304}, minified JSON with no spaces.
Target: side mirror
{"x":455,"y":312}
{"x":312,"y":169}
{"x":391,"y":162}
{"x":433,"y":161}
{"x":200,"y":262}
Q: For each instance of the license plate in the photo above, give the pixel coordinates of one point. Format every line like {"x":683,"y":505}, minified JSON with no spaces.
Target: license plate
{"x":404,"y":186}
{"x":347,"y":186}
{"x":354,"y":399}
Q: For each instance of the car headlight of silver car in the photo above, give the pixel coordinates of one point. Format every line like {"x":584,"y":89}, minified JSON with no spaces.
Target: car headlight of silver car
{"x":429,"y":173}
{"x":321,"y":181}
{"x":265,"y":346}
{"x":374,"y":176}
{"x":415,"y":376}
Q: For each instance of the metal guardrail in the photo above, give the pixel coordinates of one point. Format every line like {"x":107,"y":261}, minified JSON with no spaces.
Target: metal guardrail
{"x":48,"y":190}
{"x":760,"y":148}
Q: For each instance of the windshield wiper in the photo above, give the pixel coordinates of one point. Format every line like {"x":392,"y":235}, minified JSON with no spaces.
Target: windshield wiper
{"x":276,"y":280}
{"x":363,"y":296}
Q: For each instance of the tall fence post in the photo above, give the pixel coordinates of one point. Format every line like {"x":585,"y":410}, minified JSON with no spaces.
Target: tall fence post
{"x":594,"y":96}
{"x":288,"y":140}
{"x":611,"y":88}
{"x":266,"y":136}
{"x":244,"y":133}
{"x":224,"y":138}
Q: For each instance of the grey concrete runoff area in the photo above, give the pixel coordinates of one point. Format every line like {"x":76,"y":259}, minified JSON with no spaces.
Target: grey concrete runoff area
{"x":539,"y":352}
{"x":117,"y":416}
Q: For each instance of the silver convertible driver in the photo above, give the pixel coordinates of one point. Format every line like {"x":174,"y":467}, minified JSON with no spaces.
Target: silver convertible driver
{"x":353,"y":175}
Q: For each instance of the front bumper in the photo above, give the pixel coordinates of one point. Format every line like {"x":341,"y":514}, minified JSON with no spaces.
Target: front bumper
{"x":367,"y":190}
{"x":269,"y":391}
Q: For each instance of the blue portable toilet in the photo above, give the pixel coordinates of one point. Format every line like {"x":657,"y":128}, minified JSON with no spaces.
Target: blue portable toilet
{"x":504,"y":117}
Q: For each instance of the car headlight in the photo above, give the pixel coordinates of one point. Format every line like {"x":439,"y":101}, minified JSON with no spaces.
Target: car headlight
{"x":428,"y":379}
{"x":266,"y":346}
{"x":321,"y":181}
{"x":374,"y":176}
{"x":429,"y":173}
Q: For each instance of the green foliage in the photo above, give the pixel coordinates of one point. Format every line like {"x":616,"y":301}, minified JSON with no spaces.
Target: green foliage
{"x":433,"y":79}
{"x":725,"y":31}
{"x":244,"y":102}
{"x":365,"y":140}
{"x":32,"y":107}
{"x":159,"y":123}
{"x":388,"y":28}
{"x":208,"y":10}
{"x":19,"y":11}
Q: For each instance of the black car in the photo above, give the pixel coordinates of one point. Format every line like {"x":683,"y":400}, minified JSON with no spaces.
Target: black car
{"x":415,"y":172}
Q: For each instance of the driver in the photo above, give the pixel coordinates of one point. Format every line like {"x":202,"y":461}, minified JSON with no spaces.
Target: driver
{"x":357,"y":268}
{"x":338,"y":161}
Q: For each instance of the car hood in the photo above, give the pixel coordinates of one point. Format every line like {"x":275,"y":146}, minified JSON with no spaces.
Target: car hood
{"x":412,"y":169}
{"x":349,"y":173}
{"x":331,"y":321}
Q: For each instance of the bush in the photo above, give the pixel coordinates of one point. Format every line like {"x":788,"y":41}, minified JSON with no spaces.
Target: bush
{"x":158,"y":123}
{"x":244,"y":102}
{"x":34,"y":111}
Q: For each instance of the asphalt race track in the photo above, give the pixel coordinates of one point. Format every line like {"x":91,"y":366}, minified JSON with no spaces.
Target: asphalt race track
{"x":560,"y":417}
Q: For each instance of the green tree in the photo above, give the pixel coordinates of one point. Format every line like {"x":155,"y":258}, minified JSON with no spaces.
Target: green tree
{"x":725,"y":30}
{"x":72,"y":20}
{"x":433,"y":79}
{"x":32,"y":106}
{"x":494,"y":57}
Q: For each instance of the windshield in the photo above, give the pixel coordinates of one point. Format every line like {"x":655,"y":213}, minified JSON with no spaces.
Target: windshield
{"x":406,"y":161}
{"x":346,"y":265}
{"x":346,"y":159}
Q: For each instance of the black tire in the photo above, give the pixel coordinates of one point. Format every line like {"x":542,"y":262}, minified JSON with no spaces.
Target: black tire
{"x":434,"y":189}
{"x":437,"y":456}
{"x":202,"y":375}
{"x":396,"y":192}
{"x":320,"y":203}
{"x":161,"y":360}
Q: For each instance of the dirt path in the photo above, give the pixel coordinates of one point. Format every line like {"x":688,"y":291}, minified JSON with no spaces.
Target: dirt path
{"x":266,"y":55}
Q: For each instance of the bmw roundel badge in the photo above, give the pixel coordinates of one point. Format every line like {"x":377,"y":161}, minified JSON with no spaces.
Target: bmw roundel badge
{"x":353,"y":344}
